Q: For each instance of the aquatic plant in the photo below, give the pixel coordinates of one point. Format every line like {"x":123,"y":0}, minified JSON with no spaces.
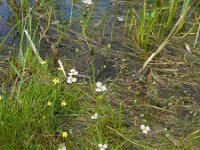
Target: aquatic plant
{"x":102,"y":146}
{"x":100,"y":87}
{"x":145,"y":129}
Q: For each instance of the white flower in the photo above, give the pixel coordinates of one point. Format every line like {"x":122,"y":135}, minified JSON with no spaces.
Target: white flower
{"x":71,"y":79}
{"x":120,"y":18}
{"x":145,"y":129}
{"x":95,"y":116}
{"x":73,"y":72}
{"x":102,"y":146}
{"x":100,"y":87}
{"x":63,"y":147}
{"x":88,"y":2}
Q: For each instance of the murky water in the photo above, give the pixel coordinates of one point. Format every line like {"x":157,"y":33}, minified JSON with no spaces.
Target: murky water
{"x":108,"y":8}
{"x":4,"y":15}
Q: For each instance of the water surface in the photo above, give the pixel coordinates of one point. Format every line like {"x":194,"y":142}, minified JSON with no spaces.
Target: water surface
{"x":4,"y":15}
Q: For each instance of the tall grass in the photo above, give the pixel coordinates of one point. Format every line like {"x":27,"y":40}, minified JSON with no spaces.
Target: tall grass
{"x":172,"y":11}
{"x":140,"y":26}
{"x":184,"y":11}
{"x":149,"y":18}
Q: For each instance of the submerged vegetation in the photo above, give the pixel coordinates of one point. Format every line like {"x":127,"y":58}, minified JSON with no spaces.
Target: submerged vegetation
{"x":101,"y":75}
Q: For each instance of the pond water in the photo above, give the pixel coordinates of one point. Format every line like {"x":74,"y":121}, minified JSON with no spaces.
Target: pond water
{"x":108,"y":8}
{"x":4,"y":15}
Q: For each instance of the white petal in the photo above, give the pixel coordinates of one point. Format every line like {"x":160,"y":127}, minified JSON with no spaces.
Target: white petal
{"x":85,"y":2}
{"x":75,"y":72}
{"x":69,"y":81}
{"x":72,"y":70}
{"x":64,"y":147}
{"x":142,"y":127}
{"x":98,"y":84}
{"x":88,"y":2}
{"x":145,"y":131}
{"x":104,"y":88}
{"x":105,"y":146}
{"x":147,"y":128}
{"x":73,"y":79}
{"x":100,"y":145}
{"x":70,"y":74}
{"x":98,"y":90}
{"x":96,"y":115}
{"x":102,"y":148}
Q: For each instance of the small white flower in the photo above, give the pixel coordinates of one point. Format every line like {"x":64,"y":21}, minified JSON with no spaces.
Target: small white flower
{"x":102,"y":146}
{"x":95,"y":116}
{"x":73,"y":72}
{"x":88,"y":2}
{"x":120,"y":18}
{"x":63,"y":147}
{"x":100,"y":87}
{"x":145,"y":129}
{"x":71,"y":79}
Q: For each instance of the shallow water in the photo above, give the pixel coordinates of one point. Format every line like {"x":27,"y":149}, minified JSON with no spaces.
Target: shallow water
{"x":109,"y":8}
{"x":4,"y":15}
